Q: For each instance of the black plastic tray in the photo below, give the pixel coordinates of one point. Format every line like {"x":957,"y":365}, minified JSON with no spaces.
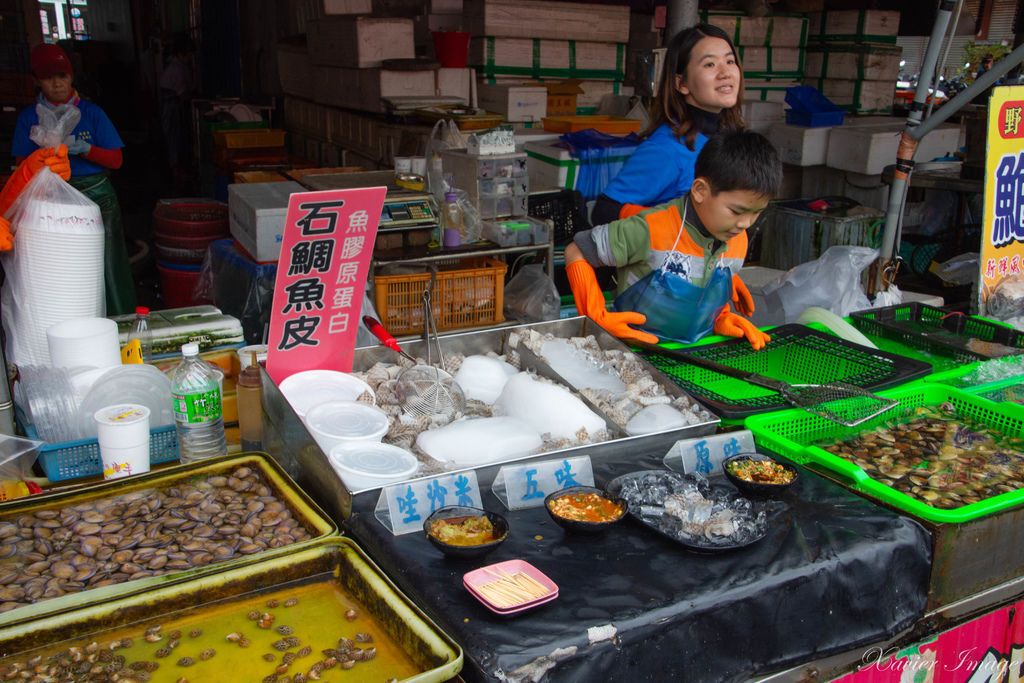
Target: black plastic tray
{"x":797,"y":354}
{"x":965,"y":337}
{"x":691,"y":544}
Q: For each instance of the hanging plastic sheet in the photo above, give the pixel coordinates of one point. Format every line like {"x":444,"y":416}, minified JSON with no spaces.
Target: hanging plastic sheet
{"x":600,"y":155}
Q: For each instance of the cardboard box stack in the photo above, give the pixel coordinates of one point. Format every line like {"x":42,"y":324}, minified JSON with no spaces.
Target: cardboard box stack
{"x":545,"y":43}
{"x":853,"y":59}
{"x":771,"y":50}
{"x":334,"y":75}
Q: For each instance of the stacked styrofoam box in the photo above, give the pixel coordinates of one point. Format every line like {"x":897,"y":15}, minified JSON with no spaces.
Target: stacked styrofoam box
{"x":771,"y":50}
{"x":514,"y":41}
{"x":867,"y":144}
{"x":348,"y":54}
{"x":760,"y":116}
{"x":853,"y":58}
{"x":800,"y":145}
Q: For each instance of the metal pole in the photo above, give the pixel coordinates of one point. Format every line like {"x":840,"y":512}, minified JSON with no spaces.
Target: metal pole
{"x":681,"y":14}
{"x":917,"y":129}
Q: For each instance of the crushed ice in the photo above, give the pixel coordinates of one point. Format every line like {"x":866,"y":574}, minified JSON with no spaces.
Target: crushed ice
{"x":690,"y":508}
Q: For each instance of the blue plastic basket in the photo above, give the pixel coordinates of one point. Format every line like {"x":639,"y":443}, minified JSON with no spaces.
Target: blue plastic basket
{"x":74,"y":459}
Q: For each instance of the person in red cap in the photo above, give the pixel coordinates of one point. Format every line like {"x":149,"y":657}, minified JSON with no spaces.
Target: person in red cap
{"x":93,"y":149}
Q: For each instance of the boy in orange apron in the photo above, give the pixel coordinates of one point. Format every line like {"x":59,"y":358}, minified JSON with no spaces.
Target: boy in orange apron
{"x":676,"y":261}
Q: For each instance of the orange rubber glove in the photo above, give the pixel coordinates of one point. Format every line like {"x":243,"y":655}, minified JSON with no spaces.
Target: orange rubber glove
{"x":590,"y":301}
{"x":729,"y":324}
{"x":56,"y":160}
{"x":741,"y":299}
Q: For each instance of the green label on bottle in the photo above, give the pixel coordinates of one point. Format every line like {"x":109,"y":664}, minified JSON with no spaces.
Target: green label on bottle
{"x":201,"y":407}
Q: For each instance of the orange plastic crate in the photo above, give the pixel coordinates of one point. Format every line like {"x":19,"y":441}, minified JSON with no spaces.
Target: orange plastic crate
{"x":464,"y":296}
{"x":256,"y":137}
{"x":612,"y":125}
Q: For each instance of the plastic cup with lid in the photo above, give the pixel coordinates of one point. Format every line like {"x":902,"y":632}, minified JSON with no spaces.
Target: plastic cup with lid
{"x":370,"y":464}
{"x":337,"y":422}
{"x":123,"y":435}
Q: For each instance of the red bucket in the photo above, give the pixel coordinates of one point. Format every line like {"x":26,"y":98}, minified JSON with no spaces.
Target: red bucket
{"x":451,"y":48}
{"x":177,"y":284}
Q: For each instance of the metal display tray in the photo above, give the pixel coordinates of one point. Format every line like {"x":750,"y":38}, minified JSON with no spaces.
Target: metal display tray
{"x":293,"y":446}
{"x":118,"y":491}
{"x":336,"y":561}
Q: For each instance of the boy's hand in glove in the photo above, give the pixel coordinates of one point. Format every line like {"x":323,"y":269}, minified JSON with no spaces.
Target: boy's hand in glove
{"x":741,"y":299}
{"x":729,"y":324}
{"x":590,"y":301}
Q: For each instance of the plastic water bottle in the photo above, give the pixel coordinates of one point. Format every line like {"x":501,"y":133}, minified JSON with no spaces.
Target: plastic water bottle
{"x":140,"y":330}
{"x":196,"y":394}
{"x":453,"y":221}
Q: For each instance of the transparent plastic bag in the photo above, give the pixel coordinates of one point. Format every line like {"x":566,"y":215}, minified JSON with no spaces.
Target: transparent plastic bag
{"x":445,"y":135}
{"x":55,"y":271}
{"x":531,"y":296}
{"x":831,"y":282}
{"x":55,"y":124}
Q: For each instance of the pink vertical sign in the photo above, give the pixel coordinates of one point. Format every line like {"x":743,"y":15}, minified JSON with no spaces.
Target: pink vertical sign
{"x":321,"y":276}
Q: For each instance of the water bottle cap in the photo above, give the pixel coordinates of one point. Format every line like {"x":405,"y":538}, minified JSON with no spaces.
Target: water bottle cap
{"x":190,"y":349}
{"x":451,"y":197}
{"x":141,"y":310}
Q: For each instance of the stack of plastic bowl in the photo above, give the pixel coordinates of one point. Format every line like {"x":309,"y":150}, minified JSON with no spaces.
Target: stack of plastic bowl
{"x":183,"y":229}
{"x":54,"y":274}
{"x":345,"y":422}
{"x":369,"y":464}
{"x":308,"y":388}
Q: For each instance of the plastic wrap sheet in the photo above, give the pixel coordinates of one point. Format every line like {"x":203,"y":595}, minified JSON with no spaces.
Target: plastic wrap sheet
{"x":834,"y":572}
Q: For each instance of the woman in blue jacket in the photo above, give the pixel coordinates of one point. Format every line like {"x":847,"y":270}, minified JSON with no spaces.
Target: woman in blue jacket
{"x":700,"y":93}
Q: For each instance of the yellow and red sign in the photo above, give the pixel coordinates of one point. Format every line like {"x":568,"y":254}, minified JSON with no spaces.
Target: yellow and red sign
{"x":1002,"y":238}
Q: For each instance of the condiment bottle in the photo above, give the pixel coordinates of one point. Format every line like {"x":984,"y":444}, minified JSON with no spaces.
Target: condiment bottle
{"x":250,"y":406}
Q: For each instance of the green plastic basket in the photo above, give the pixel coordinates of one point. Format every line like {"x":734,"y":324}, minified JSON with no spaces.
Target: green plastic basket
{"x":797,"y":354}
{"x":937,"y":330}
{"x":791,"y":432}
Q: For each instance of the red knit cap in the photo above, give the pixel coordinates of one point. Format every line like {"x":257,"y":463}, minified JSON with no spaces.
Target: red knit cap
{"x":49,"y":60}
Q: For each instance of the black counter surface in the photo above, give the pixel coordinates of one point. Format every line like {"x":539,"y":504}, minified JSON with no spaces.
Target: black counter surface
{"x":834,"y":572}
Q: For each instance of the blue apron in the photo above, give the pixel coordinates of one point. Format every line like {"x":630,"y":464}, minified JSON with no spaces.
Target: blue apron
{"x":677,"y":309}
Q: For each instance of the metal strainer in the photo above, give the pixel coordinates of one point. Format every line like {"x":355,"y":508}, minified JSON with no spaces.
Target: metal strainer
{"x":426,"y":390}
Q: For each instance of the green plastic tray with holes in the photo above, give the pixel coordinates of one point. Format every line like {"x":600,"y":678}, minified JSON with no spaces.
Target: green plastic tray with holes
{"x":791,"y":433}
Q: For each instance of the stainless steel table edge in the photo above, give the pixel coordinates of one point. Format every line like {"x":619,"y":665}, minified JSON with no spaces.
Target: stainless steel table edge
{"x":288,"y":441}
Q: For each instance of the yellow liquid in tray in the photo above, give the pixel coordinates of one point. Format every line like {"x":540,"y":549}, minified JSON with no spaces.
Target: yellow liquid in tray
{"x":317,"y":620}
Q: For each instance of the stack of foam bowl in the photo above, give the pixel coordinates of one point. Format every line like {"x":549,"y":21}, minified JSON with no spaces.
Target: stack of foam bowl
{"x":54,"y":274}
{"x":346,"y":422}
{"x":308,"y":388}
{"x":370,"y":464}
{"x":84,"y":343}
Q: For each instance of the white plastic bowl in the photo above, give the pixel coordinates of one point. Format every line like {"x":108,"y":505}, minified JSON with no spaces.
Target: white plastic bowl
{"x":367,"y":465}
{"x":336,"y":422}
{"x":308,"y":388}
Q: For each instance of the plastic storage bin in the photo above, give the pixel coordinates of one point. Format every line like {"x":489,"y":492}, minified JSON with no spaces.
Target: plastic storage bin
{"x":792,"y":432}
{"x":464,"y":296}
{"x":613,"y":125}
{"x":74,"y":459}
{"x":812,"y":109}
{"x":263,"y":137}
{"x":965,"y":337}
{"x":793,"y":234}
{"x":797,"y":354}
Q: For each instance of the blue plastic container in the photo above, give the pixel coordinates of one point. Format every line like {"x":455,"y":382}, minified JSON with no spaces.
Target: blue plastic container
{"x":812,"y":109}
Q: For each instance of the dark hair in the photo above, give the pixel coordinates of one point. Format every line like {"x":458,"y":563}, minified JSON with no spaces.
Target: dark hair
{"x":670,"y":106}
{"x":740,"y":160}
